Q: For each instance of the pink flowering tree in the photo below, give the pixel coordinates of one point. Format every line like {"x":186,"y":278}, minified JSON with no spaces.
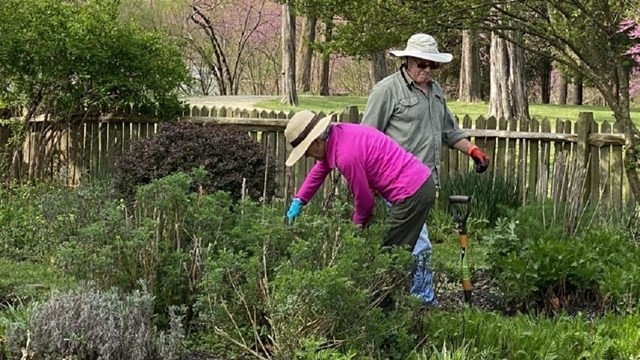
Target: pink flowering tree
{"x":230,"y":46}
{"x":223,"y":32}
{"x":633,"y":29}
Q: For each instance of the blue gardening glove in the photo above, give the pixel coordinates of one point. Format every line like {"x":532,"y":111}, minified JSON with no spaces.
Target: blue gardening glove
{"x":294,"y":209}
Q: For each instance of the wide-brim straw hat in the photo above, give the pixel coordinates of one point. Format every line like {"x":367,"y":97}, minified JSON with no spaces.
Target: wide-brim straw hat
{"x":301,"y":130}
{"x":425,"y":47}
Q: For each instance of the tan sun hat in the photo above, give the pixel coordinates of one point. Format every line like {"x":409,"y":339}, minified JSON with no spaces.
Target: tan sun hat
{"x":301,"y":130}
{"x":425,"y":47}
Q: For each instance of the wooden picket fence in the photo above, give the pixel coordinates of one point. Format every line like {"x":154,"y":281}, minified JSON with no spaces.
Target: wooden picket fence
{"x":536,"y":154}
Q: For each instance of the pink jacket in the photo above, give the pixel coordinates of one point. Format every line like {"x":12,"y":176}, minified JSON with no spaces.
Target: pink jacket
{"x":368,"y":160}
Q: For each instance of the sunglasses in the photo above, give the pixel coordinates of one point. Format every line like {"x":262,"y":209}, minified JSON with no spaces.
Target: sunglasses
{"x":428,"y":64}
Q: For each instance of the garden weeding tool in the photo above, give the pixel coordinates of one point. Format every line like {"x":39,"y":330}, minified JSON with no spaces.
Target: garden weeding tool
{"x":461,"y":207}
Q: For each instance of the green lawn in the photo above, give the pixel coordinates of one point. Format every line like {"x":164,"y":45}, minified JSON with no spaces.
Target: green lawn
{"x":538,"y":111}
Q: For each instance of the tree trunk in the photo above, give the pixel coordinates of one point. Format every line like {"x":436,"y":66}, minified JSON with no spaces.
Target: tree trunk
{"x":469,"y":89}
{"x":577,"y":97}
{"x":217,"y":63}
{"x":563,"y":89}
{"x":508,"y":98}
{"x":377,"y":67}
{"x":545,"y":81}
{"x":289,"y":94}
{"x":305,"y":53}
{"x":618,"y":100}
{"x":326,"y":58}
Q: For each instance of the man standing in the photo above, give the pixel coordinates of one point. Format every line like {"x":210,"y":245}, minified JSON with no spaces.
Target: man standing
{"x":409,"y":106}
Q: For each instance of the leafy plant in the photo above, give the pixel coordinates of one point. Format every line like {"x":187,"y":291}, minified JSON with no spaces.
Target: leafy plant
{"x":538,"y":270}
{"x":36,"y":219}
{"x":163,"y":240}
{"x":315,"y":349}
{"x":23,"y":228}
{"x":441,"y":225}
{"x":233,"y":160}
{"x":270,"y":287}
{"x":461,"y":352}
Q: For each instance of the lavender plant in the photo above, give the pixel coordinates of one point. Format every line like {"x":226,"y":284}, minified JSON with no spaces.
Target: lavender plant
{"x":92,"y":324}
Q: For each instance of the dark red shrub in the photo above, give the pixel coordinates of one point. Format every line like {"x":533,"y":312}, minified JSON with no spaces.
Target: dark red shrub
{"x":227,"y":153}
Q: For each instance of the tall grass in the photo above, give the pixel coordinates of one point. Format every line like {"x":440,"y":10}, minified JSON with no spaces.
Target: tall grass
{"x":490,"y":197}
{"x":481,"y":335}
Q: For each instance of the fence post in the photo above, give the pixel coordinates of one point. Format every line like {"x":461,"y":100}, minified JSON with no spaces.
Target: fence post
{"x":583,"y":149}
{"x":351,"y":114}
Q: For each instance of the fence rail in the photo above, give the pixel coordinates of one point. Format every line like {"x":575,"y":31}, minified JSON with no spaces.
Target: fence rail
{"x":526,"y":151}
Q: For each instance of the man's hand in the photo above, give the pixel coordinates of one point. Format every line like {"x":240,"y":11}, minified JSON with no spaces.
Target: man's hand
{"x":294,"y":209}
{"x":480,"y":158}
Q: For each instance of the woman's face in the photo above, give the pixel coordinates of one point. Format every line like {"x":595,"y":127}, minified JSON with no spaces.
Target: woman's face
{"x":316,"y":150}
{"x":420,"y":70}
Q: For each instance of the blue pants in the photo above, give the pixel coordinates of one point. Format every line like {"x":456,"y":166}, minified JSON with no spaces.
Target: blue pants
{"x":422,"y":280}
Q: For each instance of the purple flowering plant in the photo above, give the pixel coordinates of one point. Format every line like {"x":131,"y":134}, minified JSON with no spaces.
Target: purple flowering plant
{"x":632,"y":28}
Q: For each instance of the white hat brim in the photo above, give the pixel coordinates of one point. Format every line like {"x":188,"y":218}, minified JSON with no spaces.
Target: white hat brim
{"x":298,"y":151}
{"x":439,"y":57}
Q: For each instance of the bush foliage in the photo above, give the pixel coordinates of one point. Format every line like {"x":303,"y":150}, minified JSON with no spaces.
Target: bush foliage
{"x":246,"y":278}
{"x":247,"y":284}
{"x":35,"y":220}
{"x":279,"y":289}
{"x":538,"y":267}
{"x":100,"y":61}
{"x":228,"y":155}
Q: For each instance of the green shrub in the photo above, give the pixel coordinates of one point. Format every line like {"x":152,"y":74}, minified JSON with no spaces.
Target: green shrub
{"x":89,"y":324}
{"x":36,"y":219}
{"x":24,"y":231}
{"x":543,"y":271}
{"x":537,"y":220}
{"x":162,"y":240}
{"x":274,"y":288}
{"x":228,"y":155}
